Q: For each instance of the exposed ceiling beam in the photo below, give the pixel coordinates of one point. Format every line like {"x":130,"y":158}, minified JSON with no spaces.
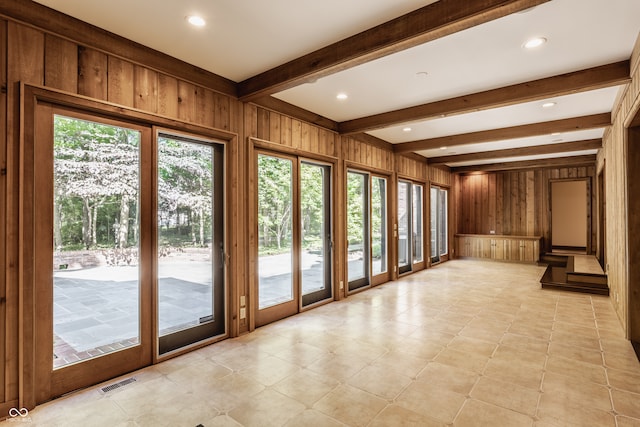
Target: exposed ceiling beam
{"x":536,"y":150}
{"x":608,"y":75}
{"x":428,"y":23}
{"x":275,"y":104}
{"x":587,"y":160}
{"x":523,"y":131}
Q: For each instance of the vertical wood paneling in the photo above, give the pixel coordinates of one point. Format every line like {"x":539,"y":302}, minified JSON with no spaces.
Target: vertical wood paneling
{"x":92,"y":74}
{"x":3,"y":216}
{"x":145,"y":86}
{"x":514,"y":202}
{"x":167,"y":95}
{"x":61,"y":64}
{"x":205,"y":107}
{"x":25,"y":63}
{"x":187,"y":94}
{"x":223,"y":112}
{"x":120,"y":82}
{"x":274,"y":128}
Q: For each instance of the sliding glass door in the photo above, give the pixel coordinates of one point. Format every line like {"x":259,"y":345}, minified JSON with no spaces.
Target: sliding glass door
{"x":128,"y":246}
{"x":439,"y":230}
{"x":367,"y":249}
{"x":190,"y":241}
{"x":410,"y":226}
{"x":294,"y":235}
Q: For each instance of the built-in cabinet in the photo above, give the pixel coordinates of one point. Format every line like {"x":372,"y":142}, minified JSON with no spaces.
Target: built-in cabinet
{"x":498,"y":247}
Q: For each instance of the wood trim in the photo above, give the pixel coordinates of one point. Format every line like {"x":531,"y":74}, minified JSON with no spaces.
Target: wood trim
{"x":282,"y":107}
{"x":4,"y":395}
{"x":565,"y":84}
{"x":54,"y":22}
{"x":428,"y":23}
{"x":591,"y":144}
{"x":588,"y":160}
{"x":373,"y":141}
{"x":523,"y":131}
{"x":261,"y":144}
{"x":416,"y":157}
{"x":635,"y":56}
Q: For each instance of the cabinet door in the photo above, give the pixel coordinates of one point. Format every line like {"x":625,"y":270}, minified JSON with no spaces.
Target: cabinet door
{"x":498,"y":249}
{"x":527,"y":251}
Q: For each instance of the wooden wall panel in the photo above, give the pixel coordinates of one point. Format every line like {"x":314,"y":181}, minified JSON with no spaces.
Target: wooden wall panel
{"x":412,"y":167}
{"x":356,"y":151}
{"x":145,"y":87}
{"x":25,"y":63}
{"x":440,"y":175}
{"x":167,"y":95}
{"x":120,"y":82}
{"x":515,"y":202}
{"x":3,"y":216}
{"x":291,"y":133}
{"x":92,"y":73}
{"x":61,"y":64}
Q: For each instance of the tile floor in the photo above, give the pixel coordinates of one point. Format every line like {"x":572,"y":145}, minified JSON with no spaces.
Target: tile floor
{"x":467,"y":343}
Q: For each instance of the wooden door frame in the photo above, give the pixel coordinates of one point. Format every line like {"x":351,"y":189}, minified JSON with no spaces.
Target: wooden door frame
{"x":30,"y":97}
{"x":588,"y":180}
{"x":602,"y":216}
{"x":632,"y":148}
{"x":415,"y":267}
{"x":450,"y":242}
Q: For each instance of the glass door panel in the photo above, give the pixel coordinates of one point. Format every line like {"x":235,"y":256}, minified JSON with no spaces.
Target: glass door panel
{"x":357,"y":230}
{"x":378,"y":225}
{"x":190,"y":242}
{"x":315,"y":232}
{"x":435,"y":247}
{"x":275,"y":231}
{"x":439,"y":240}
{"x":96,"y":229}
{"x":404,"y":223}
{"x":416,"y":224}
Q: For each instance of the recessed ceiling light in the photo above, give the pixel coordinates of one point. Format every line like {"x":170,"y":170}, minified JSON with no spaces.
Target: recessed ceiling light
{"x":342,"y":96}
{"x":534,"y":43}
{"x":443,"y":148}
{"x":196,"y":21}
{"x":548,"y":104}
{"x":558,"y":140}
{"x":407,"y":129}
{"x":555,"y":134}
{"x":422,"y":74}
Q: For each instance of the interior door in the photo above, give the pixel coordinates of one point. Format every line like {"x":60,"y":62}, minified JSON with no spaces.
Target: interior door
{"x":404,"y":227}
{"x":190,"y":241}
{"x":91,"y":241}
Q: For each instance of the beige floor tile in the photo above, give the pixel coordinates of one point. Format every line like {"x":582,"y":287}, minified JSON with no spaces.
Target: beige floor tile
{"x":313,"y":418}
{"x":306,"y":386}
{"x":472,"y":345}
{"x":576,"y":392}
{"x":431,"y":401}
{"x":479,"y":414}
{"x":485,"y":334}
{"x":624,"y":362}
{"x":270,"y":370}
{"x":532,"y":330}
{"x":576,"y":369}
{"x":361,"y":350}
{"x":625,"y":403}
{"x":624,"y":380}
{"x":398,"y":416}
{"x":517,"y":372}
{"x":571,"y":328}
{"x":350,"y":405}
{"x":338,"y":367}
{"x":464,"y":360}
{"x":416,"y":347}
{"x":627,"y":422}
{"x":448,"y":378}
{"x":617,"y":345}
{"x":223,"y":421}
{"x":568,"y":338}
{"x":268,"y":408}
{"x":577,"y":353}
{"x":301,"y":354}
{"x":402,"y":363}
{"x":525,"y":343}
{"x":432,"y":336}
{"x":380,"y":381}
{"x":565,"y":414}
{"x":508,"y":353}
{"x":506,"y":395}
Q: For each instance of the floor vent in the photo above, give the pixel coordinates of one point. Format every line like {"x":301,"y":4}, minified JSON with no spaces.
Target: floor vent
{"x":117,"y":385}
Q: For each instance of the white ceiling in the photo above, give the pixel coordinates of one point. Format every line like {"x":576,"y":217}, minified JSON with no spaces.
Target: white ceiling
{"x":244,"y":38}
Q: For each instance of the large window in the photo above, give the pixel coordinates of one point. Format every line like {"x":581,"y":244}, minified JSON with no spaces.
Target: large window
{"x":439,"y":230}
